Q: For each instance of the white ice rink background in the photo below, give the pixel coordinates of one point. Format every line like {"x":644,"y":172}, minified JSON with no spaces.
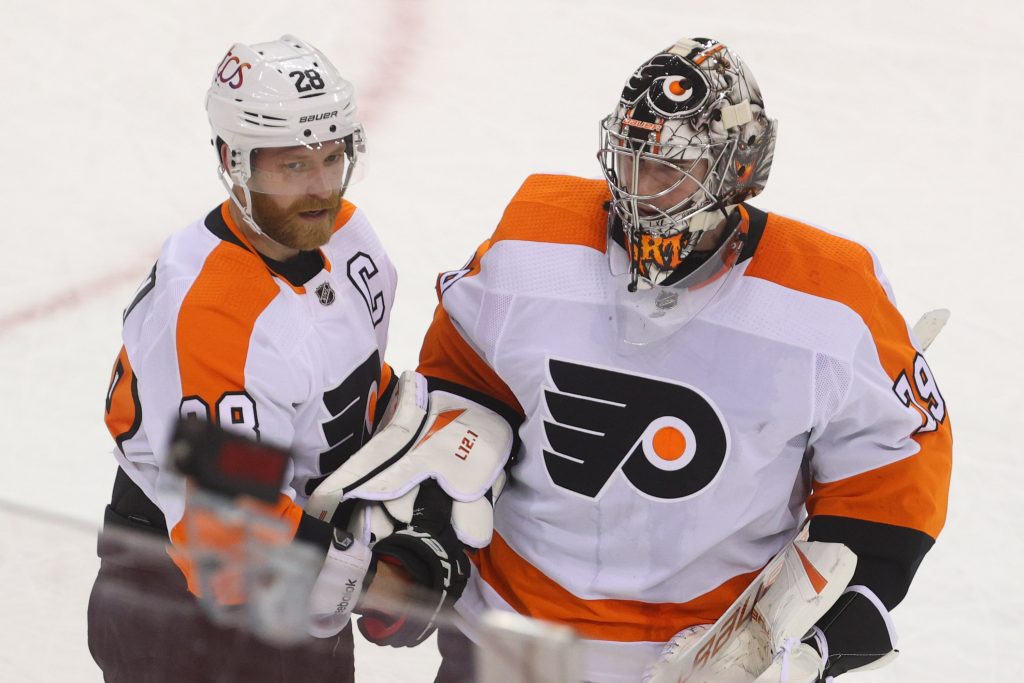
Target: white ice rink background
{"x":900,"y":125}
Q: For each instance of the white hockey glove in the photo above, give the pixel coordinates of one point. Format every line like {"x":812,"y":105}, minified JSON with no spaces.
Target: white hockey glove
{"x":460,"y":444}
{"x":346,"y":572}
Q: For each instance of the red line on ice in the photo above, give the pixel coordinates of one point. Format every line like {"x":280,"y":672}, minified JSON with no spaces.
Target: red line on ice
{"x":383,"y":86}
{"x":69,"y":299}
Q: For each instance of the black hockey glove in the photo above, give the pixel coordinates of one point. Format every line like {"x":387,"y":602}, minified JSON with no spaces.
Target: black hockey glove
{"x":428,"y":550}
{"x":856,"y":633}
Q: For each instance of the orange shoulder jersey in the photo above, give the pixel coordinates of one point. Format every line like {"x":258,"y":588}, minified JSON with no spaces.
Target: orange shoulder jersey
{"x":653,"y":482}
{"x":291,"y":354}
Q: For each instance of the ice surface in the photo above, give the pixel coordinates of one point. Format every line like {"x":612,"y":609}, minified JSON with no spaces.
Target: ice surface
{"x":899,"y":125}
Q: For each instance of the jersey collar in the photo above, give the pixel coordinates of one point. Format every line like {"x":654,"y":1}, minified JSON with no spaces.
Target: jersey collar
{"x":295,"y":272}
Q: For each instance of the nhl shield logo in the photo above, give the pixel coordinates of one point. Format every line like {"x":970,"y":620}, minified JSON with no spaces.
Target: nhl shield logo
{"x":325,"y":294}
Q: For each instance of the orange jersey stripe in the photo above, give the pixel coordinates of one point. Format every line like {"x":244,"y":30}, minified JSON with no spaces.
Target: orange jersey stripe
{"x":345,"y":214}
{"x":123,"y":413}
{"x":557,"y":209}
{"x":216,"y":320}
{"x":547,"y":208}
{"x":530,"y":592}
{"x":215,"y":324}
{"x":912,"y":492}
{"x":201,"y":531}
{"x":446,"y":355}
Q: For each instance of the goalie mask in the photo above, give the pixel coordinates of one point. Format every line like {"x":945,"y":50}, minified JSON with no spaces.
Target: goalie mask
{"x":688,"y":141}
{"x":287,"y":119}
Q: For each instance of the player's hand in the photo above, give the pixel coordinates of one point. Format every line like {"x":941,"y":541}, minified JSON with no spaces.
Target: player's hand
{"x":339,"y":585}
{"x":427,"y":551}
{"x":459,"y":444}
{"x":347,"y":571}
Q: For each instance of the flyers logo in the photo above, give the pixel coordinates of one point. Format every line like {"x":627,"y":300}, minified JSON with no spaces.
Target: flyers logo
{"x":668,"y":439}
{"x":230,"y":70}
{"x":350,"y":410}
{"x":667,"y":85}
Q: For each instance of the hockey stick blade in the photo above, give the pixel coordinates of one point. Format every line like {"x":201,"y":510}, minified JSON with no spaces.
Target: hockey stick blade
{"x":928,"y":327}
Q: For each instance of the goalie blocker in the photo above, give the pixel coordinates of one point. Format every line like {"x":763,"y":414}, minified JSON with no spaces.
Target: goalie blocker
{"x":424,"y":485}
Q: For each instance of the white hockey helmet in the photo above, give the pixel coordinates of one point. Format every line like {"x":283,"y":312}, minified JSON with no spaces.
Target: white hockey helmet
{"x":283,"y":93}
{"x":690,"y":118}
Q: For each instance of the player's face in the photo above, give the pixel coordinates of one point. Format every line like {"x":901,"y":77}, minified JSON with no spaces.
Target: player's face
{"x":662,"y":184}
{"x":296,"y":192}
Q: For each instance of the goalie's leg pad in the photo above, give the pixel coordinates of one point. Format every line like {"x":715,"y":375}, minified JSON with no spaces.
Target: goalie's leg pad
{"x":794,"y":589}
{"x":813,"y":577}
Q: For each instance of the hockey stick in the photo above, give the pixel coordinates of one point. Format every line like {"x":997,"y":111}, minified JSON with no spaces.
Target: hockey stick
{"x":928,"y":327}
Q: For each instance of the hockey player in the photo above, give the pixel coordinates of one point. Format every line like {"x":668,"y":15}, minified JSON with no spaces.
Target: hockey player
{"x":690,"y":376}
{"x":268,"y":317}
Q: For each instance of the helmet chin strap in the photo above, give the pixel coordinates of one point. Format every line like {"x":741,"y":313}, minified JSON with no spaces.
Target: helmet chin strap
{"x":227,"y":180}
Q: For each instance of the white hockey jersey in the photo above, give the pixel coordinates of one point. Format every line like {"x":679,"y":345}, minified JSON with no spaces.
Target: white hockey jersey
{"x":294,"y":359}
{"x":653,"y":482}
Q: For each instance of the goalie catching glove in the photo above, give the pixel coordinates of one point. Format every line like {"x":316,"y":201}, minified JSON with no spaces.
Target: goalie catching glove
{"x":439,"y":436}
